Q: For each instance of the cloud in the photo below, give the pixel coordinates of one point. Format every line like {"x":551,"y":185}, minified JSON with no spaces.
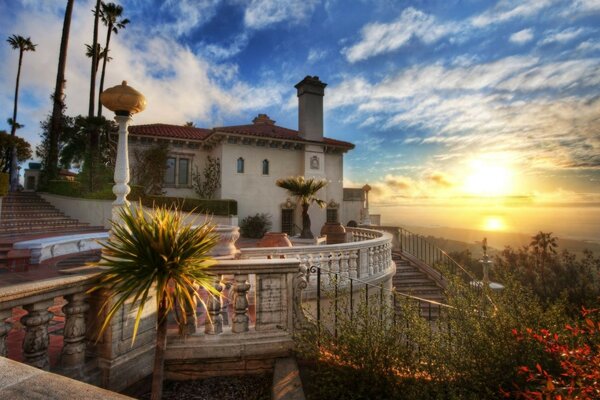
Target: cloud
{"x":398,"y":183}
{"x":316,"y":55}
{"x":510,"y":9}
{"x":522,"y":37}
{"x":378,"y":38}
{"x":182,"y":15}
{"x":440,"y":179}
{"x":566,"y":35}
{"x":262,"y":13}
{"x":218,"y":52}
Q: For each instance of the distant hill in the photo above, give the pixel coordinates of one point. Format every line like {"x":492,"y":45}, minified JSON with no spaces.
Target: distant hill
{"x":453,"y":239}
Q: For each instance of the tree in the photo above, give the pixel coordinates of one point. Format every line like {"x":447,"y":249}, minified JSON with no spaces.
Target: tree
{"x":99,"y":54}
{"x":7,"y":143}
{"x":23,"y":44}
{"x":543,"y":246}
{"x":305,"y":192}
{"x":58,"y":103}
{"x":206,"y":185}
{"x":155,"y":252}
{"x":149,"y":168}
{"x":110,"y":14}
{"x":95,"y":59}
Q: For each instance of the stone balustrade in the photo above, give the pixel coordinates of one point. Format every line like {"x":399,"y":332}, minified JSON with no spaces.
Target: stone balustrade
{"x":36,"y":298}
{"x":368,"y":257}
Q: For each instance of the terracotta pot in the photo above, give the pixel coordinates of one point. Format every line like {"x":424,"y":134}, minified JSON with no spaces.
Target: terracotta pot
{"x":275,"y":239}
{"x":335,"y":232}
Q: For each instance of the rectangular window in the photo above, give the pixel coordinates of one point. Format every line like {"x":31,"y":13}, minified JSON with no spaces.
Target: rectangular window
{"x":287,"y":221}
{"x":184,"y":170}
{"x":332,"y":215}
{"x":170,"y":172}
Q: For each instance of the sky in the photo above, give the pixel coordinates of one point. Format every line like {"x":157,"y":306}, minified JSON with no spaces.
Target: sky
{"x":447,"y":101}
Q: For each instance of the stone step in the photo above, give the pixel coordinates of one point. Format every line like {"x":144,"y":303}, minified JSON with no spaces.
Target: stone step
{"x":13,"y":207}
{"x":30,"y":215}
{"x":44,"y":230}
{"x":41,"y":222}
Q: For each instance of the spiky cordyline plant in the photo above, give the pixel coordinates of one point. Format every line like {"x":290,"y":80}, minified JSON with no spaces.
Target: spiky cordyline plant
{"x":155,"y":251}
{"x":305,"y":192}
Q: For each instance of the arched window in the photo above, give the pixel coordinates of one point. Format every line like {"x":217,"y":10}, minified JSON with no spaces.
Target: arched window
{"x":240,"y":165}
{"x":265,"y":166}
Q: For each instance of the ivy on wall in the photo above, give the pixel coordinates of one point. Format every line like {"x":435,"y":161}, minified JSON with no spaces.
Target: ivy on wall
{"x":206,"y":183}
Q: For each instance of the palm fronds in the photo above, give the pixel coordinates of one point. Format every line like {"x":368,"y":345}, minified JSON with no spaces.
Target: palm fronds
{"x":154,"y":250}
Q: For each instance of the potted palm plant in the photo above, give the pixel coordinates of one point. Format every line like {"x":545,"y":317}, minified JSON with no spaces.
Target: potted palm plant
{"x":155,"y":253}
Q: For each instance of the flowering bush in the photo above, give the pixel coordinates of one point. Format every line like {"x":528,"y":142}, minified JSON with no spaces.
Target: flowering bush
{"x":573,"y":371}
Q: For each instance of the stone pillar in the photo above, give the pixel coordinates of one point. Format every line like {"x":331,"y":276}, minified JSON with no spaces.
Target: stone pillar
{"x":35,"y":342}
{"x":73,"y":352}
{"x":4,"y":329}
{"x":191,"y":319}
{"x":121,"y":188}
{"x":241,"y":320}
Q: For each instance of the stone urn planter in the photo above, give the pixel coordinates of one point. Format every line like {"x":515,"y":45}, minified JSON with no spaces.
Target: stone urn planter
{"x":274,"y":239}
{"x":225,"y":248}
{"x":335,"y":232}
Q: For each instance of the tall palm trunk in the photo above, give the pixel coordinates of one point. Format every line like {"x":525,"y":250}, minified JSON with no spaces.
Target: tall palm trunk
{"x":95,"y":61}
{"x":110,"y":28}
{"x":58,"y":97}
{"x":159,"y":355}
{"x":306,"y":232}
{"x":14,"y":176}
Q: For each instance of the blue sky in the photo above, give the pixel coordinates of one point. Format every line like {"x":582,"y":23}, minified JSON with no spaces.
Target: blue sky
{"x":444,"y":99}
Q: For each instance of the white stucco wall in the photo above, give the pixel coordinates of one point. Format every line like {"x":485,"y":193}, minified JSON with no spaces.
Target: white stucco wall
{"x":255,"y":192}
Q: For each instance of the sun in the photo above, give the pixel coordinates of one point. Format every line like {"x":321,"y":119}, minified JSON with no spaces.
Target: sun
{"x":494,"y":223}
{"x":488,"y":178}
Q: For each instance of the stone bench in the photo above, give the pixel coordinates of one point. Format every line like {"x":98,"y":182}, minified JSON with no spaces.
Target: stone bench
{"x":46,"y":248}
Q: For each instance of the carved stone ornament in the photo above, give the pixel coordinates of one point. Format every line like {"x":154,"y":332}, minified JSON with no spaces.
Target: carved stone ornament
{"x":333,"y":204}
{"x":123,"y":99}
{"x":289,"y":204}
{"x":314,"y":162}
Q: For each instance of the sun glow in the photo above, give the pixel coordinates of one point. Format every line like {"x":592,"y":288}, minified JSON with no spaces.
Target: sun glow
{"x":488,"y":178}
{"x":494,"y":223}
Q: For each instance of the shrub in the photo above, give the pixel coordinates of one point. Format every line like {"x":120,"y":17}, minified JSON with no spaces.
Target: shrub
{"x":65,"y":188}
{"x":215,"y":207}
{"x":255,"y":226}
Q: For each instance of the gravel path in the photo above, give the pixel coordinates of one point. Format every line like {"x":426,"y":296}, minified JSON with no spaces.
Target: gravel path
{"x":248,"y":387}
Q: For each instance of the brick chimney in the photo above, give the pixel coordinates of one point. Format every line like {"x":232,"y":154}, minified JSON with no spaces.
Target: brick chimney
{"x":310,"y":107}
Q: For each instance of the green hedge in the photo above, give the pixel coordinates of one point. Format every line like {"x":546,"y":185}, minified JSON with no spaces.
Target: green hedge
{"x":4,"y":178}
{"x":215,"y":207}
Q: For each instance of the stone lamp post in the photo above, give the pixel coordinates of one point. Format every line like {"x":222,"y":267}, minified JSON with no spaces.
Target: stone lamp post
{"x":366,"y":218}
{"x":124,"y":101}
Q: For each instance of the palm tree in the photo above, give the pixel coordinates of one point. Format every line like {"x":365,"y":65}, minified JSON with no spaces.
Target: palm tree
{"x":99,"y":54}
{"x":543,"y":245}
{"x":58,"y":104}
{"x":23,"y":44}
{"x":305,"y":192}
{"x":155,"y":252}
{"x":95,"y":60}
{"x":110,"y":14}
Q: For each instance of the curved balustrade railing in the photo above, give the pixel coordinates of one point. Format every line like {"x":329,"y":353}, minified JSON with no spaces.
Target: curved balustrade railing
{"x":368,"y":256}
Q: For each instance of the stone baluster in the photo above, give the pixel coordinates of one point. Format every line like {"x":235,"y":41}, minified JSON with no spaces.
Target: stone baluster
{"x":379,"y":264}
{"x":335,"y":263}
{"x":73,"y":352}
{"x":345,"y":258}
{"x":371,"y":261}
{"x":241,"y":320}
{"x":4,"y":329}
{"x":191,"y":318}
{"x":353,"y":265}
{"x":214,"y":320}
{"x":35,"y":342}
{"x":324,"y":264}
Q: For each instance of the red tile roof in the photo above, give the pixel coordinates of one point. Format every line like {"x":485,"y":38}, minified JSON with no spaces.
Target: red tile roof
{"x":262,"y":127}
{"x":170,"y":131}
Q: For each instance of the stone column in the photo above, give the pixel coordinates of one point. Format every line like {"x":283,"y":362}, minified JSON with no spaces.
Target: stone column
{"x":4,"y":329}
{"x":35,"y":342}
{"x":73,"y":352}
{"x":121,"y":188}
{"x":241,"y":320}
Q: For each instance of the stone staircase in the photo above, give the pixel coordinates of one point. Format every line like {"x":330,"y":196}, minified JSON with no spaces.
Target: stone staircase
{"x":26,"y":214}
{"x":409,"y":279}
